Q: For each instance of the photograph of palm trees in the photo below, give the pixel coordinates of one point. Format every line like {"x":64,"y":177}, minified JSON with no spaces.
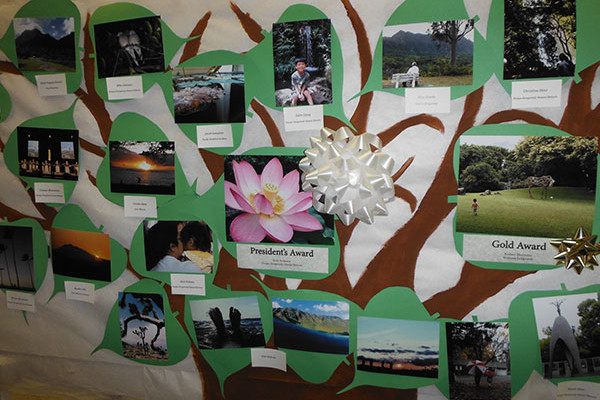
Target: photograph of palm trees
{"x":129,"y":47}
{"x":539,"y":38}
{"x":48,"y":153}
{"x":568,"y":328}
{"x":142,"y":167}
{"x":211,"y":94}
{"x":478,"y":360}
{"x":81,"y":254}
{"x":265,"y":203}
{"x":142,"y":322}
{"x":436,"y":53}
{"x":538,"y":186}
{"x":399,"y":347}
{"x":45,"y":44}
{"x":311,"y":325}
{"x":16,"y":258}
{"x":302,"y":49}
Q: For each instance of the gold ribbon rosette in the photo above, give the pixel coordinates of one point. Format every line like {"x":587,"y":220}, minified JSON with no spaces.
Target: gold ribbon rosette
{"x":577,"y":252}
{"x":348,"y":175}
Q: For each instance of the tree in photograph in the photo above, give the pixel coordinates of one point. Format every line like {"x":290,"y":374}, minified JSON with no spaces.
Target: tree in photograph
{"x":561,"y":20}
{"x":479,"y":177}
{"x":3,"y":250}
{"x":588,"y":335}
{"x":147,"y":314}
{"x":26,"y":258}
{"x":9,"y":234}
{"x":450,"y":32}
{"x":141,"y":333}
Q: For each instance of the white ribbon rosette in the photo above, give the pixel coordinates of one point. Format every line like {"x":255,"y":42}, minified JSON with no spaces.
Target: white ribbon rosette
{"x":348,"y":175}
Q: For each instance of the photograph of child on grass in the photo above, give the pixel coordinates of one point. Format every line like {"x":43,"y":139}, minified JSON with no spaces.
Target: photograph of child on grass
{"x":302,"y":62}
{"x":539,"y":186}
{"x":265,"y":203}
{"x":428,"y":54}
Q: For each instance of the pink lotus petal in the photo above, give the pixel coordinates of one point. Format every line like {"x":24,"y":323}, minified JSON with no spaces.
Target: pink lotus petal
{"x":229,"y":199}
{"x":246,"y":178}
{"x":290,"y":184}
{"x":272,"y":173}
{"x":276,"y":228}
{"x":297,"y":202}
{"x":246,"y":228}
{"x":263,"y":205}
{"x":244,"y":205}
{"x":303,"y":222}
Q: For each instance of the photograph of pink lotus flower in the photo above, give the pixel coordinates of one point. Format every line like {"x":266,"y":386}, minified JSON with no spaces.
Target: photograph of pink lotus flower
{"x":264,"y":203}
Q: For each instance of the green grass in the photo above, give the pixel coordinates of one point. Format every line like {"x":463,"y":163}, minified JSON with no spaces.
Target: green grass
{"x":39,"y":64}
{"x":514,"y":213}
{"x":425,"y":81}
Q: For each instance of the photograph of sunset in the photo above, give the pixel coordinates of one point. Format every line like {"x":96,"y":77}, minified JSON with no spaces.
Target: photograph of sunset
{"x":142,"y":167}
{"x":81,"y":254}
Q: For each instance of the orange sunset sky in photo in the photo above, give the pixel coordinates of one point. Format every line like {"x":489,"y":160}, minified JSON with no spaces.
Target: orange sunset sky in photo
{"x":136,"y":161}
{"x":97,"y":244}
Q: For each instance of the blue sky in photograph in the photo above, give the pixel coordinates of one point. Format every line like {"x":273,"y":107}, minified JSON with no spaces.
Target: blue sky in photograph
{"x":339,"y":309}
{"x":135,"y":324}
{"x":408,"y":337}
{"x":545,"y":311}
{"x":247,"y":306}
{"x":55,"y":27}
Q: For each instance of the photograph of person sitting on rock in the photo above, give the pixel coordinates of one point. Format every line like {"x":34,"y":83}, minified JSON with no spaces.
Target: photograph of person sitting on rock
{"x":302,"y":54}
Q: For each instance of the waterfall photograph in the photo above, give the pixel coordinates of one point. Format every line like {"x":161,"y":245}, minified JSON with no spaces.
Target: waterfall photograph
{"x":302,"y":62}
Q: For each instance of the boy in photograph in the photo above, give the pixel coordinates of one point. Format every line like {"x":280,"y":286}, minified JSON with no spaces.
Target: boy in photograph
{"x":300,"y":83}
{"x":475,"y":206}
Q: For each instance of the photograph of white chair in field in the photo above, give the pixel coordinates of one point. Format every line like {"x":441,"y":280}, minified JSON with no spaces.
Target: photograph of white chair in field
{"x":540,"y":186}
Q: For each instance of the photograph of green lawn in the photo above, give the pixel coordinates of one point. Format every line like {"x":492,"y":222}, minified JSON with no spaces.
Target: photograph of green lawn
{"x":539,"y":186}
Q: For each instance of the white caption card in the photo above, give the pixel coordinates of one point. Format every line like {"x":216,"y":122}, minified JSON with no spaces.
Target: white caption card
{"x":52,"y":85}
{"x":214,"y":136}
{"x":427,"y":100}
{"x":578,"y":390}
{"x":20,"y":301}
{"x":80,"y":291}
{"x":49,"y":192}
{"x":536,"y":94}
{"x":283,"y":258}
{"x":303,"y":118}
{"x":125,"y":87}
{"x":268,"y":358}
{"x":139,"y":206}
{"x":510,"y":249}
{"x":192,"y":284}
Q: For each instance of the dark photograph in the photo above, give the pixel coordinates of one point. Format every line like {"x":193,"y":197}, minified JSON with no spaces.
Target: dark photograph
{"x":48,"y":153}
{"x":540,"y":186}
{"x":16,"y":258}
{"x":265,"y":203}
{"x":205,"y":95}
{"x":319,"y":326}
{"x":227,"y":323}
{"x":142,"y":322}
{"x":81,"y":254}
{"x":399,"y":347}
{"x":478,"y":360}
{"x":539,"y":38}
{"x":129,"y":47}
{"x":45,"y":44}
{"x":178,"y":246}
{"x":302,"y":62}
{"x":142,"y":167}
{"x":568,"y":329}
{"x":428,"y":54}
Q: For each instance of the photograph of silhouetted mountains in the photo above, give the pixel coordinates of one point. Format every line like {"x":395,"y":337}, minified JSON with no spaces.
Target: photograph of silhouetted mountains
{"x":45,"y":44}
{"x":79,"y":254}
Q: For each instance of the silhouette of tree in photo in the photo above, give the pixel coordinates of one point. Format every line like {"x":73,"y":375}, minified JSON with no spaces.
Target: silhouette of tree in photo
{"x":451,"y":32}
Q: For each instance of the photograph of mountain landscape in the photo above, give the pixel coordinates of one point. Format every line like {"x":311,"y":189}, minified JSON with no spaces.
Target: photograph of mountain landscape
{"x":401,"y":347}
{"x":319,"y":326}
{"x":81,"y":254}
{"x":142,"y":167}
{"x":45,"y":44}
{"x":227,"y":323}
{"x":16,"y":258}
{"x":428,"y":54}
{"x":142,"y":323}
